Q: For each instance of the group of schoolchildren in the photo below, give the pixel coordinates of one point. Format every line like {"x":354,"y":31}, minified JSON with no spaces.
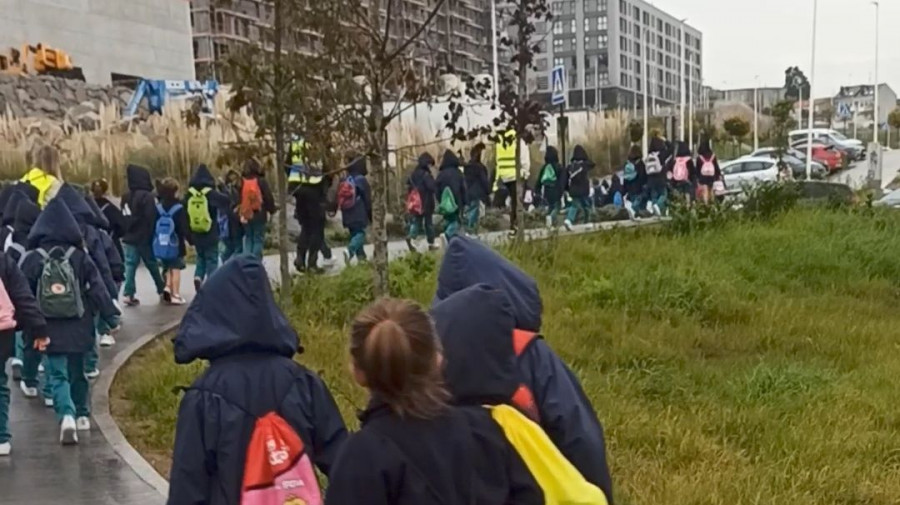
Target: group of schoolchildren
{"x":467,"y":402}
{"x":66,"y":255}
{"x":645,"y":184}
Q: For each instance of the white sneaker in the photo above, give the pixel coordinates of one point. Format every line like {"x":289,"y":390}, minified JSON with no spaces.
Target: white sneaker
{"x":656,"y":210}
{"x":107,"y":341}
{"x":347,"y":258}
{"x":5,"y":449}
{"x":68,"y":433}
{"x":27,"y":391}
{"x":83,"y":423}
{"x":16,"y":366}
{"x":41,"y":368}
{"x":568,"y":224}
{"x":48,"y":402}
{"x":548,"y":221}
{"x":178,"y":300}
{"x":93,"y":374}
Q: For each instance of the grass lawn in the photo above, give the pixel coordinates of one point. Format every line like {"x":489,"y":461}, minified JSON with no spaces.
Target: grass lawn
{"x":756,"y":363}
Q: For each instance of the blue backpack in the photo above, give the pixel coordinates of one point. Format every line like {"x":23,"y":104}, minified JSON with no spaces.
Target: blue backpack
{"x":165,"y":240}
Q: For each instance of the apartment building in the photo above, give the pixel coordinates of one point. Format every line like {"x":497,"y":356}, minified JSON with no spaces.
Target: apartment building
{"x":858,"y":103}
{"x":603,"y":45}
{"x":458,"y":36}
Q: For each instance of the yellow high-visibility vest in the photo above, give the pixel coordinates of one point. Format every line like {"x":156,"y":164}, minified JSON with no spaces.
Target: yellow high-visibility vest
{"x":42,"y":181}
{"x":299,"y":172}
{"x":506,"y":158}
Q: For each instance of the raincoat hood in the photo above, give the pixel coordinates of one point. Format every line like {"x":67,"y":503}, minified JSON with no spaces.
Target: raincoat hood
{"x":77,"y":204}
{"x":580,"y":154}
{"x":551,"y":156}
{"x":138,"y":178}
{"x":55,"y":226}
{"x":449,"y":160}
{"x":683,"y":150}
{"x":704,"y":150}
{"x":28,"y":190}
{"x":26,"y":214}
{"x":469,"y":262}
{"x":5,"y":194}
{"x":235,"y":312}
{"x":202,"y":178}
{"x":99,"y":218}
{"x":657,"y":145}
{"x":358,"y":167}
{"x":425,"y":160}
{"x":9,"y":210}
{"x":476,"y":326}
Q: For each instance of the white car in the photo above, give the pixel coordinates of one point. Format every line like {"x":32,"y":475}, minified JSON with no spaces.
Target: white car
{"x":749,"y":170}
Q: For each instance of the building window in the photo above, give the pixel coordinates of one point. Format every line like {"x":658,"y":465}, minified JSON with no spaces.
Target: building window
{"x":602,"y":41}
{"x":557,"y":45}
{"x":541,"y":65}
{"x":542,"y":83}
{"x":602,"y":5}
{"x":623,"y":7}
{"x":571,"y":6}
{"x":542,"y":46}
{"x":571,"y":26}
{"x":637,"y":49}
{"x":646,"y":19}
{"x":590,"y":43}
{"x":637,"y":32}
{"x":623,"y":25}
{"x":638,"y":84}
{"x":557,"y":62}
{"x":623,"y":43}
{"x":602,"y":23}
{"x":604,"y":78}
{"x":590,"y":5}
{"x":637,"y":13}
{"x":557,"y":28}
{"x":557,"y":7}
{"x":659,"y":25}
{"x":587,"y":25}
{"x":623,"y":61}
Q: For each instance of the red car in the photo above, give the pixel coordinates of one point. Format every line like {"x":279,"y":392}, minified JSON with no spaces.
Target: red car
{"x":826,"y":155}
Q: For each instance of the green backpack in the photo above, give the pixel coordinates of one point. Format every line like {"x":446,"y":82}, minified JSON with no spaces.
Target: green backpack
{"x":59,"y":292}
{"x":548,"y":175}
{"x":198,"y":210}
{"x":448,"y":202}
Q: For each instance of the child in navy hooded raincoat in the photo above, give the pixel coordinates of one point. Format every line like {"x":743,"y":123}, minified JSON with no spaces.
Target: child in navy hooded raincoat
{"x":563,"y":409}
{"x":206,"y":243}
{"x":56,"y":233}
{"x":235,"y":325}
{"x":357,"y":217}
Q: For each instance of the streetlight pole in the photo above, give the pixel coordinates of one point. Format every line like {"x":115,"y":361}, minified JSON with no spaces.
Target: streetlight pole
{"x":812,"y":87}
{"x":494,"y":49}
{"x":756,"y":114}
{"x":691,"y":107}
{"x":875,"y":115}
{"x":646,"y":141}
{"x":681,"y":81}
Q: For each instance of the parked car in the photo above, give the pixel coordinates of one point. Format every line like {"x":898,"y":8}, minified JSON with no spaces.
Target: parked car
{"x":828,"y":155}
{"x":891,"y":199}
{"x":798,"y":165}
{"x":854,"y":148}
{"x":749,"y":170}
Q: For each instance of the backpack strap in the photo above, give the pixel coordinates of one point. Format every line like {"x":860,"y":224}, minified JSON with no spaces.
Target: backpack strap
{"x":104,"y":207}
{"x":160,"y":209}
{"x":175,"y":208}
{"x":69,"y":252}
{"x":193,"y":191}
{"x":43,"y":252}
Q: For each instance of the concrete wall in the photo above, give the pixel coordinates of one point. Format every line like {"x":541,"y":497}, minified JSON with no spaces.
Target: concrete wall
{"x":146,"y":38}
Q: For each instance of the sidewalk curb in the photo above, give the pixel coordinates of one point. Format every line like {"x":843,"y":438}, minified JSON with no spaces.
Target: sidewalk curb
{"x":107,"y":425}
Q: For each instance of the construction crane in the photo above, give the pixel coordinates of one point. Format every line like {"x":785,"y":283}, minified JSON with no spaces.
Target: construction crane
{"x":158,"y":92}
{"x":39,"y":60}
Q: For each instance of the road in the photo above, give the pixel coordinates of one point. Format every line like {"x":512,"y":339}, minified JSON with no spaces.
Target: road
{"x":855,"y":176}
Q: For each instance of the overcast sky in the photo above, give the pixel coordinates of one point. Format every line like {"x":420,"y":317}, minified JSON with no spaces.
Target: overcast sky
{"x":746,"y":38}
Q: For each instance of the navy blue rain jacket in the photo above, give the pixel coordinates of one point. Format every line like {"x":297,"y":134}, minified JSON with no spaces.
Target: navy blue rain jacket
{"x":235,"y":324}
{"x":551,"y":191}
{"x":478,"y":184}
{"x":138,"y":208}
{"x":217,"y":201}
{"x":359,"y":216}
{"x":113,"y":254}
{"x":56,"y":227}
{"x":26,"y":214}
{"x":9,"y":214}
{"x":28,"y":315}
{"x":421,"y":179}
{"x":566,"y":414}
{"x":89,"y":223}
{"x":579,"y":173}
{"x":450,"y":176}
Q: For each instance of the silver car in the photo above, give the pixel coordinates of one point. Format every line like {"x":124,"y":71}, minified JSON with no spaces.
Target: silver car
{"x":796,"y":160}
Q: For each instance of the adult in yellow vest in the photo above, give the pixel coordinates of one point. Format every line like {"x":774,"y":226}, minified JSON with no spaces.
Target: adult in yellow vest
{"x":505,"y":171}
{"x":41,"y":176}
{"x":308,"y":185}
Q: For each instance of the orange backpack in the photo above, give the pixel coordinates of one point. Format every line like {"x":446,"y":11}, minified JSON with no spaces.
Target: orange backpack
{"x":523,"y":398}
{"x":251,"y":199}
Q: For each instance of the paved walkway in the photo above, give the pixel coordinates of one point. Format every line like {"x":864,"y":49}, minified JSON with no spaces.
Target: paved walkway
{"x":103,"y":469}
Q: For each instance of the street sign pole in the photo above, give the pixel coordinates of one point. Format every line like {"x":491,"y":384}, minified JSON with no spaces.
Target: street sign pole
{"x":559,"y":97}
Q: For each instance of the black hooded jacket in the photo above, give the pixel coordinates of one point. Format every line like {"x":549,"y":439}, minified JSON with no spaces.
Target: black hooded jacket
{"x":28,"y":316}
{"x":216,"y":202}
{"x":565,"y":412}
{"x":683,"y":152}
{"x":235,"y":324}
{"x":9,"y":214}
{"x":89,"y":224}
{"x":478,"y":185}
{"x":55,"y":231}
{"x":704,"y":154}
{"x":450,"y":177}
{"x":26,"y":214}
{"x":579,"y":182}
{"x":113,"y":251}
{"x":359,"y":216}
{"x":139,"y":208}
{"x":551,"y":192}
{"x":658,"y":146}
{"x":422,"y":180}
{"x":635,"y":187}
{"x":116,"y":221}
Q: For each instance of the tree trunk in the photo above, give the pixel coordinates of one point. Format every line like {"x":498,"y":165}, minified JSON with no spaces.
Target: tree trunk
{"x":520,"y":130}
{"x":285,"y":292}
{"x":379,"y":184}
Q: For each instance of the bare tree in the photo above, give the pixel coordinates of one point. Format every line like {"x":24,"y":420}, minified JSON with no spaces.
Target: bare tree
{"x":516,"y":110}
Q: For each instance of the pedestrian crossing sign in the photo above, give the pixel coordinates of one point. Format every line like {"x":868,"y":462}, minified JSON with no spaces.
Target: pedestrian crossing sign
{"x":844,"y":110}
{"x":558,"y":85}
